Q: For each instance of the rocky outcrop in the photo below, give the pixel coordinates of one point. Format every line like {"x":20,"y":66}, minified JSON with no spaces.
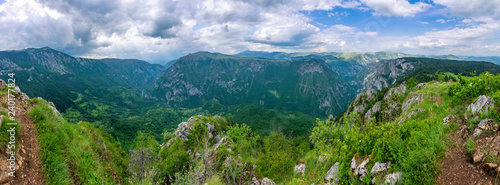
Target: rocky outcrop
{"x":2,"y":84}
{"x":380,"y":167}
{"x":377,"y":76}
{"x":331,"y":175}
{"x":392,"y":178}
{"x":361,"y":170}
{"x":485,"y":125}
{"x":358,"y":105}
{"x":300,"y":168}
{"x":414,"y":100}
{"x":267,"y":181}
{"x":371,"y":113}
{"x":482,"y":105}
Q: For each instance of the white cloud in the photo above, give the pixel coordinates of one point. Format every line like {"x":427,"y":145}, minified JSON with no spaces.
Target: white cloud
{"x":400,"y":8}
{"x":473,"y":8}
{"x":459,"y":41}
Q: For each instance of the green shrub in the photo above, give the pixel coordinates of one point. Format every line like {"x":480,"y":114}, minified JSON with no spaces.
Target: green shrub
{"x":470,"y":146}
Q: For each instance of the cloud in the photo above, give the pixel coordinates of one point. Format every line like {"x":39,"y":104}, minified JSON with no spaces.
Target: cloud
{"x":401,"y":8}
{"x":473,"y":8}
{"x":161,"y":30}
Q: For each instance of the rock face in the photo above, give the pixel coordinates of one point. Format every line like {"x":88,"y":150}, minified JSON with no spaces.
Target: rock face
{"x":371,"y":113}
{"x":278,"y":84}
{"x":301,"y":168}
{"x":358,"y":105}
{"x":415,"y":99}
{"x":482,"y":105}
{"x":378,"y":75}
{"x":331,"y":175}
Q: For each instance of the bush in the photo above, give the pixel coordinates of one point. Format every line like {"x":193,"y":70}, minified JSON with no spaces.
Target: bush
{"x":471,"y":146}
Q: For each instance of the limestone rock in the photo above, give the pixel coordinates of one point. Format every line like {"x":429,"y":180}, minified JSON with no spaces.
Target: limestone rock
{"x":412,"y":101}
{"x":380,"y":167}
{"x":358,"y":105}
{"x":182,"y":130}
{"x":255,"y":181}
{"x":221,"y":142}
{"x":370,"y":113}
{"x":491,"y":165}
{"x":17,"y":90}
{"x":477,"y":132}
{"x":2,"y":84}
{"x":395,"y":92}
{"x":450,"y":118}
{"x":331,"y":175}
{"x":267,"y":181}
{"x":361,"y":170}
{"x":482,"y":105}
{"x":420,"y":85}
{"x":353,"y":163}
{"x":486,"y":124}
{"x":301,"y":168}
{"x":478,"y":157}
{"x":392,"y":178}
{"x":463,"y":131}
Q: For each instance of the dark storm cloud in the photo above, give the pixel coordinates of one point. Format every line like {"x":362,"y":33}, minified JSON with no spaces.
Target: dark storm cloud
{"x":163,"y":28}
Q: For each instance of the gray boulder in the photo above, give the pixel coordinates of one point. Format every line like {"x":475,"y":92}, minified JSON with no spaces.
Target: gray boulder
{"x":393,"y":178}
{"x":331,"y":175}
{"x":301,"y":168}
{"x":482,"y":105}
{"x":267,"y":181}
{"x":255,"y":181}
{"x":361,"y":170}
{"x":380,"y":167}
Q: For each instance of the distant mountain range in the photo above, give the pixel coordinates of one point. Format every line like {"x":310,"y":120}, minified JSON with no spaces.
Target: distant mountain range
{"x":306,"y":85}
{"x":54,"y":75}
{"x":312,"y":83}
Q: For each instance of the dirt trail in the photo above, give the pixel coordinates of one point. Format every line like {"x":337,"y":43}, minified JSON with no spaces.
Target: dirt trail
{"x":29,"y":170}
{"x":458,"y":168}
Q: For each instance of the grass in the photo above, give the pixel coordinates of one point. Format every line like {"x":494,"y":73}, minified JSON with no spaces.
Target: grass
{"x":76,"y":153}
{"x":470,"y":146}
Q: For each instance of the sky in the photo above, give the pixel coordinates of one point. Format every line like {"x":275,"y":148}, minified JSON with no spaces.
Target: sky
{"x":162,"y":30}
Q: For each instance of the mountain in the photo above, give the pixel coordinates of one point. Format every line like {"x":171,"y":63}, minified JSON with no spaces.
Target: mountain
{"x":48,"y":73}
{"x":379,"y":75}
{"x":169,"y":63}
{"x":346,"y":65}
{"x":308,"y":85}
